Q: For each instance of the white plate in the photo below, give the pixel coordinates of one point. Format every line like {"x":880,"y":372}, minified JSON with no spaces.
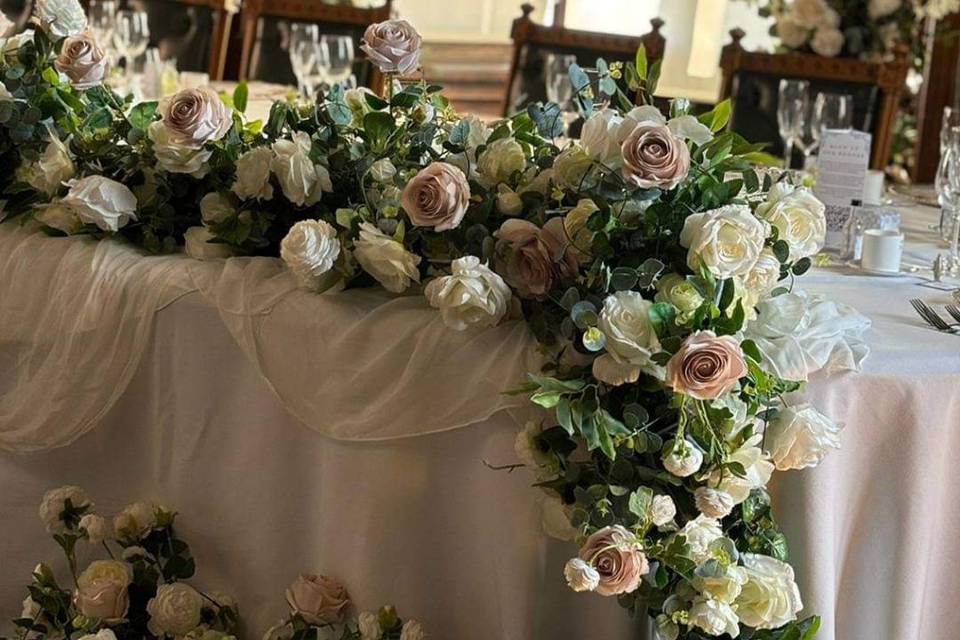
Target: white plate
{"x":874,"y":272}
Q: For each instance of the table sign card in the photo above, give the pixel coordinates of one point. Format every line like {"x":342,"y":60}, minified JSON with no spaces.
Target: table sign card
{"x":842,"y":170}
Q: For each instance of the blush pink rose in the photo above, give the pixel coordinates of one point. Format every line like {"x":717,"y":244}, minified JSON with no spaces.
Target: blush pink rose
{"x":394,"y":46}
{"x":654,"y":157}
{"x":83,"y":61}
{"x":318,"y":599}
{"x":194,"y":117}
{"x":437,"y":197}
{"x":534,"y":259}
{"x":614,"y":553}
{"x":706,"y":366}
{"x":102,"y":598}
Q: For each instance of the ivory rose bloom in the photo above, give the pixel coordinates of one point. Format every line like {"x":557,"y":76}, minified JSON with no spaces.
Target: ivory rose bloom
{"x":253,"y":175}
{"x":631,"y":339}
{"x":101,"y":201}
{"x":615,"y":554}
{"x":827,"y":42}
{"x":681,"y":458}
{"x":580,"y":575}
{"x":727,"y":240}
{"x":102,"y":590}
{"x":764,"y":275}
{"x":386,"y":259}
{"x":654,"y":157}
{"x":60,"y":18}
{"x":54,"y":168}
{"x":713,"y":503}
{"x":310,"y":249}
{"x":194,"y":117}
{"x":472,"y":295}
{"x":394,"y":46}
{"x":83,"y":61}
{"x":756,"y":464}
{"x":96,"y":528}
{"x":662,"y":510}
{"x":724,"y":586}
{"x":800,"y":437}
{"x":707,"y":366}
{"x":216,"y":207}
{"x":177,"y":158}
{"x":500,"y":160}
{"x":509,"y":202}
{"x":302,"y":181}
{"x":55,"y":501}
{"x":175,"y":610}
{"x":677,"y":291}
{"x":602,"y":138}
{"x":412,"y":630}
{"x":532,"y":259}
{"x":438,"y":197}
{"x":799,"y":217}
{"x":714,"y":617}
{"x":572,"y":168}
{"x":135,"y":519}
{"x":770,"y":597}
{"x":318,"y":599}
{"x":699,"y":533}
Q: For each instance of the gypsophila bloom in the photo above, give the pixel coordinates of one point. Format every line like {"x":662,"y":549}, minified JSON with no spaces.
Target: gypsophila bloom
{"x":580,"y":575}
{"x":386,"y":259}
{"x":60,"y":18}
{"x":102,"y":590}
{"x":714,"y":617}
{"x":770,"y":597}
{"x":681,"y":458}
{"x":727,"y":241}
{"x":713,"y":503}
{"x":175,"y":610}
{"x":615,"y":554}
{"x":800,"y":437}
{"x":472,"y":295}
{"x":318,"y":599}
{"x":54,"y":503}
{"x":101,"y":201}
{"x":310,"y":249}
{"x":253,"y":174}
{"x":83,"y":61}
{"x":662,"y":510}
{"x":96,"y":528}
{"x":394,"y":46}
{"x":437,"y":197}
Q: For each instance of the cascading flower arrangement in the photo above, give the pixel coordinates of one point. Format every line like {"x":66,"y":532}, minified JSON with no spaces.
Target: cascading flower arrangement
{"x":137,"y":590}
{"x":652,"y":261}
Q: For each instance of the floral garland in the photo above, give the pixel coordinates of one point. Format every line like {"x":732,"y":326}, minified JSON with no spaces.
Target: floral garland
{"x":640,"y":257}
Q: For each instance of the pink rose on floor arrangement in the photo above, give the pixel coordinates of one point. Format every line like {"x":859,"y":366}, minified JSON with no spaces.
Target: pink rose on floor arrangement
{"x":638,"y":257}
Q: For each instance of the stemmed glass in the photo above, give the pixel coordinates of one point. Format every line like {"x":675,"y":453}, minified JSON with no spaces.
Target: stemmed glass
{"x":948,"y":187}
{"x":831,"y":111}
{"x":948,"y":212}
{"x":130,"y":36}
{"x":792,"y":104}
{"x":337,"y":56}
{"x":101,"y":19}
{"x":304,"y":50}
{"x":556,"y":74}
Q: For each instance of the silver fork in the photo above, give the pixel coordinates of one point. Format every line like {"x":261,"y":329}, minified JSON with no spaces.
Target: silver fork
{"x":954,"y":311}
{"x":931,"y":317}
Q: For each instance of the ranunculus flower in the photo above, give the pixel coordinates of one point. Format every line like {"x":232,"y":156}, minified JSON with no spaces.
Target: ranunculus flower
{"x":827,"y":41}
{"x":54,"y":167}
{"x":102,"y":590}
{"x":755,"y":463}
{"x":386,"y":259}
{"x":631,"y":339}
{"x":712,"y":502}
{"x":679,"y":292}
{"x":533,"y":259}
{"x":310,"y":249}
{"x":135,"y":519}
{"x":438,"y":197}
{"x":699,"y":533}
{"x":500,"y":160}
{"x":96,"y":528}
{"x":394,"y":46}
{"x":253,"y":174}
{"x":800,"y":436}
{"x":707,"y":366}
{"x":174,"y":157}
{"x":60,"y":18}
{"x":724,"y":586}
{"x":798,"y":216}
{"x":83,"y":61}
{"x":580,"y":575}
{"x":101,"y":201}
{"x":175,"y":610}
{"x":714,"y":617}
{"x":654,"y":157}
{"x":472,"y":295}
{"x":572,"y":169}
{"x":602,"y":137}
{"x":727,"y":240}
{"x":318,"y":599}
{"x":302,"y":181}
{"x":412,"y":630}
{"x":770,"y":598}
{"x":54,"y":502}
{"x":681,"y":458}
{"x":615,"y":554}
{"x":195,"y":117}
{"x":662,"y":510}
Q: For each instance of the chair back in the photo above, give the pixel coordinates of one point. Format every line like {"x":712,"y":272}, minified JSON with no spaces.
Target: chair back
{"x":752,"y":82}
{"x":532,"y":43}
{"x":194,"y":32}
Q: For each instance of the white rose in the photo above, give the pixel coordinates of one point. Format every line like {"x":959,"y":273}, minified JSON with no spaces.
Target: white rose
{"x":770,"y":598}
{"x":500,"y":160}
{"x":369,"y":626}
{"x":96,"y":528}
{"x":689,"y":128}
{"x":174,"y":157}
{"x":528,"y":451}
{"x":216,"y":207}
{"x":356,"y":99}
{"x":55,"y":501}
{"x":827,"y":41}
{"x":60,"y":18}
{"x":727,"y":240}
{"x":383,"y":170}
{"x":713,"y":503}
{"x":412,"y":630}
{"x":175,"y":610}
{"x":666,"y":628}
{"x":718,"y":583}
{"x":101,"y":201}
{"x":631,"y":338}
{"x":682,"y":459}
{"x":882,"y":8}
{"x":811,"y":13}
{"x":386,"y":259}
{"x":472,"y":295}
{"x":198,"y":244}
{"x":103,"y":634}
{"x":52,"y":169}
{"x":580,"y":575}
{"x":136,"y":519}
{"x":301,"y":180}
{"x":714,"y":617}
{"x":798,"y":216}
{"x":679,"y":292}
{"x":800,"y":437}
{"x":253,"y":174}
{"x":699,"y":533}
{"x":509,"y":202}
{"x":763,"y":277}
{"x":602,"y":136}
{"x":791,"y":33}
{"x":572,"y":169}
{"x":310,"y":249}
{"x":555,"y":518}
{"x":756,"y":464}
{"x":30,"y":609}
{"x":102,"y":590}
{"x":662,"y":510}
{"x":57,"y":216}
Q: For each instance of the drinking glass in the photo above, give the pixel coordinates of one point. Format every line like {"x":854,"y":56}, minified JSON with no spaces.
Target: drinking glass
{"x":556,"y":73}
{"x":304,"y":49}
{"x":101,"y":18}
{"x":832,"y":111}
{"x":130,"y":36}
{"x":337,"y":52}
{"x":950,"y":197}
{"x":948,"y":213}
{"x":792,"y":104}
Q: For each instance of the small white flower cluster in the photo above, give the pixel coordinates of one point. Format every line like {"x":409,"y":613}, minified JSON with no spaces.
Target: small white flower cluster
{"x":812,"y":22}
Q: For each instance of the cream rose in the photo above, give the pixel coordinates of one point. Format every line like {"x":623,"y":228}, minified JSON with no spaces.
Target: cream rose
{"x":757,"y":466}
{"x":194,"y":117}
{"x":676,"y":290}
{"x":616,"y":555}
{"x":54,"y":168}
{"x":654,"y":157}
{"x":472,"y":295}
{"x":500,"y":160}
{"x":437,"y":197}
{"x":386,"y":259}
{"x":177,"y":158}
{"x":662,"y":510}
{"x":175,"y":610}
{"x":83,"y":61}
{"x":318,"y":599}
{"x":533,"y":259}
{"x":302,"y":181}
{"x":216,"y":207}
{"x":707,"y":366}
{"x":96,"y":528}
{"x":770,"y":597}
{"x":727,"y":241}
{"x":798,"y":216}
{"x":136,"y":519}
{"x":580,"y":575}
{"x":631,"y":338}
{"x":764,"y":275}
{"x":572,"y":169}
{"x":602,"y":137}
{"x":713,"y":617}
{"x":827,"y":41}
{"x":681,"y":458}
{"x":713,"y":503}
{"x":699,"y":533}
{"x":102,"y":590}
{"x":394,"y":46}
{"x":253,"y":175}
{"x":719,"y":583}
{"x":54,"y":502}
{"x":60,"y":18}
{"x":310,"y":249}
{"x":101,"y":201}
{"x":800,"y":437}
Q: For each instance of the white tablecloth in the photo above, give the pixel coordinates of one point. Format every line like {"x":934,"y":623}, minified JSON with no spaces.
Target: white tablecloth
{"x":206,"y":424}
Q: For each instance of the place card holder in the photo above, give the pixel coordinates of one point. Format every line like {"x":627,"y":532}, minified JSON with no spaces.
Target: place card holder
{"x":841,"y":171}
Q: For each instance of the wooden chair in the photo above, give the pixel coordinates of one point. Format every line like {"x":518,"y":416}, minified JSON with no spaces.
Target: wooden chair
{"x":264,"y":36}
{"x":532,"y":41}
{"x":195,"y":32}
{"x":752,"y":80}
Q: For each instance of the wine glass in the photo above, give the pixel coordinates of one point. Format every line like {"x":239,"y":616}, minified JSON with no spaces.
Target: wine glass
{"x":831,"y":111}
{"x":948,"y":213}
{"x":303,"y":48}
{"x":337,"y":56}
{"x":792,"y":104}
{"x":101,"y":19}
{"x":131,"y":35}
{"x":556,"y":73}
{"x":949,"y":195}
